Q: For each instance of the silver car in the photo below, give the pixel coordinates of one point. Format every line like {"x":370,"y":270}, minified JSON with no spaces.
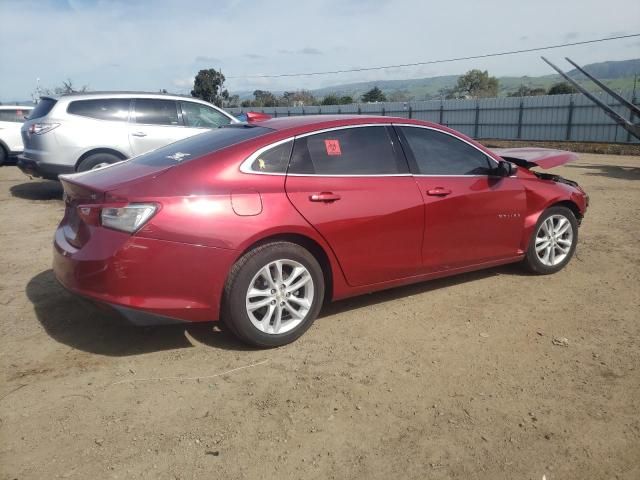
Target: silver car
{"x":78,"y":132}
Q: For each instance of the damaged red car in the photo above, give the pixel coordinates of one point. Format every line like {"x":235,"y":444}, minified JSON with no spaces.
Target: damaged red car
{"x":259,"y":224}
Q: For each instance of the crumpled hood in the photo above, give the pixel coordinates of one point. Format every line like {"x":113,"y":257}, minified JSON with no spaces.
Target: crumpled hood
{"x":529,"y":157}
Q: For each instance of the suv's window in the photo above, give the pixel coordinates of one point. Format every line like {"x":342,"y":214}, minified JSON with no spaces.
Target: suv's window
{"x":202,"y":116}
{"x":193,"y":147}
{"x":43,"y":108}
{"x":156,"y":112}
{"x":115,"y":109}
{"x":16,"y":115}
{"x":437,"y":153}
{"x":349,"y":151}
{"x":274,"y":160}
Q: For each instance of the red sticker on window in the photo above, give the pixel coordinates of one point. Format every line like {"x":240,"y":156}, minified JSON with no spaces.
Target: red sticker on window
{"x":333,"y":147}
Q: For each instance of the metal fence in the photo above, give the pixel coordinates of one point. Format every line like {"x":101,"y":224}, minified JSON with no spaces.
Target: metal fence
{"x":549,"y":117}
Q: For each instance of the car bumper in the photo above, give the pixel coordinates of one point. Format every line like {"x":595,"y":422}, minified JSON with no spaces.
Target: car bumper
{"x":147,"y":281}
{"x":48,"y":171}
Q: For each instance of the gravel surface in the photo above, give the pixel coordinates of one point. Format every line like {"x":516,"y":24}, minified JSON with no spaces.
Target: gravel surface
{"x":495,"y":374}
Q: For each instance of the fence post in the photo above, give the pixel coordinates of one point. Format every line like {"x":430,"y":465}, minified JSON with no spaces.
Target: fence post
{"x":359,"y":111}
{"x":569,"y":120}
{"x":410,"y":112}
{"x":475,"y":126}
{"x":633,"y":100}
{"x":441,"y":121}
{"x":521,"y":110}
{"x":288,"y":113}
{"x":303,"y":112}
{"x":275,"y":113}
{"x":383,"y":111}
{"x":339,"y":111}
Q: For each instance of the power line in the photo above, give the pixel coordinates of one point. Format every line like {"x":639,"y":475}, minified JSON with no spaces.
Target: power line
{"x":431,"y":62}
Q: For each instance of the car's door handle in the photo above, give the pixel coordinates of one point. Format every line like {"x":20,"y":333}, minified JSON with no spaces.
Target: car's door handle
{"x":139,"y":134}
{"x":324,"y":197}
{"x":439,"y":192}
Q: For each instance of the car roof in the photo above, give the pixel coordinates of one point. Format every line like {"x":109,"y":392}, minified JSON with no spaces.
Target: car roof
{"x":122,"y":94}
{"x":309,"y":123}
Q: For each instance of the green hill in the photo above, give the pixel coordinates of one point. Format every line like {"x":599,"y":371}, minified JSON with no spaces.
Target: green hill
{"x":618,"y":75}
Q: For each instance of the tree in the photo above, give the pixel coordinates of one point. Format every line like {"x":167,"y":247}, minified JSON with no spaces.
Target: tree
{"x":374,"y":95}
{"x":264,"y":98}
{"x":475,"y":84}
{"x":525,"y":91}
{"x":331,"y":99}
{"x":400,"y":96}
{"x":233,"y":101}
{"x":346,"y":100}
{"x":561,"y":88}
{"x":209,"y":86}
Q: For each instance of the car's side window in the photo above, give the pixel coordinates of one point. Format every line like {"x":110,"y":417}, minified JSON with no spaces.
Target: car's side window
{"x":436,"y":153}
{"x":153,"y":111}
{"x":202,"y":116}
{"x":348,"y":151}
{"x":16,"y":116}
{"x":115,"y":109}
{"x":273,"y":160}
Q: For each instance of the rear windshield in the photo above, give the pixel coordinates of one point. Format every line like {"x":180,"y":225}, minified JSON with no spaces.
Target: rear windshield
{"x":199,"y":145}
{"x":43,"y":108}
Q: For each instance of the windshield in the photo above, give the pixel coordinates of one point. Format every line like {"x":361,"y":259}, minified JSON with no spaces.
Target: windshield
{"x":199,"y":145}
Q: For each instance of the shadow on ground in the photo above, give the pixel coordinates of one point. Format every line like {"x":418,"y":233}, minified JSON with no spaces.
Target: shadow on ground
{"x":611,"y":171}
{"x":82,"y":325}
{"x":38,"y":190}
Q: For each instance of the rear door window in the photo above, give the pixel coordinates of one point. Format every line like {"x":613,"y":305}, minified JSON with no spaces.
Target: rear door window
{"x":198,"y":115}
{"x":115,"y":109}
{"x":151,"y":111}
{"x":43,"y":108}
{"x":273,"y":160}
{"x":348,"y":151}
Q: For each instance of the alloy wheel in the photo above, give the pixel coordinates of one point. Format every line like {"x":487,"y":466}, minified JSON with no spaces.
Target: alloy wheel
{"x":280,"y":296}
{"x":554,"y":239}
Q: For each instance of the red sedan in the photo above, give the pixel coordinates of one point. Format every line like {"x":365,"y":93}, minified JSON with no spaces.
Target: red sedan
{"x":258,"y":224}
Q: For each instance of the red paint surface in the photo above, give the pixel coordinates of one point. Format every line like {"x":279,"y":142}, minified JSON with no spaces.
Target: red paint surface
{"x":380,"y":232}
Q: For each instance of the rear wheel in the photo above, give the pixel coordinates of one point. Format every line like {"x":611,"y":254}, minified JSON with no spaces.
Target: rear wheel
{"x":3,"y":155}
{"x":553,"y":242}
{"x":97,"y":160}
{"x":273,"y":294}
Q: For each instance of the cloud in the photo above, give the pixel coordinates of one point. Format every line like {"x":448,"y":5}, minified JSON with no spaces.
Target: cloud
{"x":570,"y":36}
{"x":253,"y":56}
{"x":302,"y":51}
{"x":205,"y":59}
{"x":183,"y":82}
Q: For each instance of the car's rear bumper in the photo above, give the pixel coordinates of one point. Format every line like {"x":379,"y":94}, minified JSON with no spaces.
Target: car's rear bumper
{"x":148,"y":281}
{"x":48,"y":171}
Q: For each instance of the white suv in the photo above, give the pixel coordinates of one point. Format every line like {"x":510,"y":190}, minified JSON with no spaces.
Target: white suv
{"x":78,"y":132}
{"x":11,"y":119}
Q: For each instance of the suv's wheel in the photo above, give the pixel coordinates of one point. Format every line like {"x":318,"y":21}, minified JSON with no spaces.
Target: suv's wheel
{"x":553,"y":242}
{"x":3,"y":155}
{"x":97,"y":160}
{"x":273,"y":294}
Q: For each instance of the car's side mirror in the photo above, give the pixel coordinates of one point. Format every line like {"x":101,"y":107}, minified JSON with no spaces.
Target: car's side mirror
{"x":506,"y":169}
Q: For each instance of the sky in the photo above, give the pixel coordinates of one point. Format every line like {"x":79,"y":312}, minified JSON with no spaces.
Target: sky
{"x":155,"y":44}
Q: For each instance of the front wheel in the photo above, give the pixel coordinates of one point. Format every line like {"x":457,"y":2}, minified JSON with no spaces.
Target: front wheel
{"x":553,"y":242}
{"x":273,"y":294}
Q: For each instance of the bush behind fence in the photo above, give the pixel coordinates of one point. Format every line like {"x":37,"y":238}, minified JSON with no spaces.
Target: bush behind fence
{"x":549,"y":117}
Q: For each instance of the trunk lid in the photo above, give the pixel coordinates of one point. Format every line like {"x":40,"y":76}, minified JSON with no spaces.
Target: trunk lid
{"x":530,"y":157}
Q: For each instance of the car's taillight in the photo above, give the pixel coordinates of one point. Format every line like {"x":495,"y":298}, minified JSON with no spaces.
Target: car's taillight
{"x":40,"y":128}
{"x":129,"y":218}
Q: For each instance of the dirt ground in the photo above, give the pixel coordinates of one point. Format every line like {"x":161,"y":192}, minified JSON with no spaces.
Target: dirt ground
{"x":456,"y":378}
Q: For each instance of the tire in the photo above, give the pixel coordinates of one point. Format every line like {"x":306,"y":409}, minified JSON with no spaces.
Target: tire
{"x":297,"y":309}
{"x":550,"y":253}
{"x":97,"y":160}
{"x":3,"y":155}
